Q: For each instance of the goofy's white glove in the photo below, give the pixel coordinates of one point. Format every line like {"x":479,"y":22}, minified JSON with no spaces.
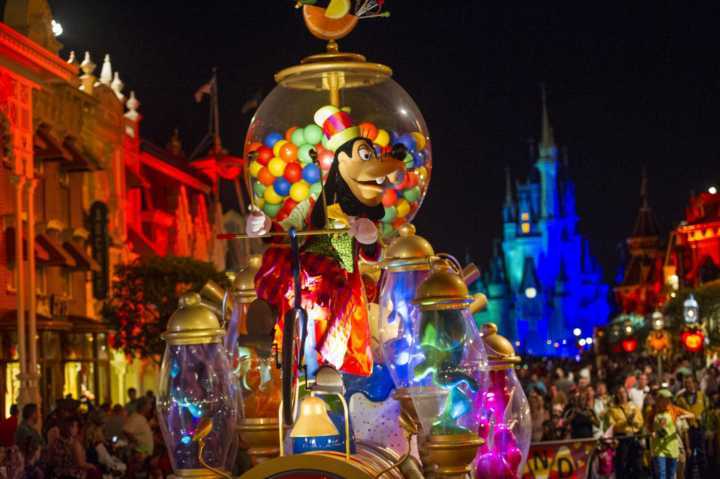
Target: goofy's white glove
{"x":363,"y":230}
{"x":257,"y":223}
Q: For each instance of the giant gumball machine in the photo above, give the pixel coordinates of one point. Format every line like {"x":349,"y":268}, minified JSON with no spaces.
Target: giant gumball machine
{"x":338,"y":163}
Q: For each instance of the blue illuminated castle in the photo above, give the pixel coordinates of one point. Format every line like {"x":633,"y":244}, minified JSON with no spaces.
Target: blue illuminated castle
{"x":544,"y":289}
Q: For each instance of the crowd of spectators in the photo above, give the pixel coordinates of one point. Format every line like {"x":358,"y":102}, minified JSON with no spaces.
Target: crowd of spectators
{"x":77,"y":441}
{"x":660,"y":425}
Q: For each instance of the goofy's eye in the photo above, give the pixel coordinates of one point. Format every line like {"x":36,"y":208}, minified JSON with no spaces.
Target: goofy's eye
{"x":365,"y":153}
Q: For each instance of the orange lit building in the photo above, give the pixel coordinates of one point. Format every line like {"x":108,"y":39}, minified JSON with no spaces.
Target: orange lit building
{"x":80,"y":193}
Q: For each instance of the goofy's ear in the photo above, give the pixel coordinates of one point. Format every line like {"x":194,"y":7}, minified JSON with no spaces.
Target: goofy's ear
{"x":399,"y":151}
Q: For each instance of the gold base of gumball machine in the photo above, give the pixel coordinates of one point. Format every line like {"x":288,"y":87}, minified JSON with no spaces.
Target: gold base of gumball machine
{"x":261,"y":434}
{"x":198,"y":474}
{"x":450,"y":456}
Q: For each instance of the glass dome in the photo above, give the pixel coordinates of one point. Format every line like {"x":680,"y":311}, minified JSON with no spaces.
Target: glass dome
{"x":290,"y":154}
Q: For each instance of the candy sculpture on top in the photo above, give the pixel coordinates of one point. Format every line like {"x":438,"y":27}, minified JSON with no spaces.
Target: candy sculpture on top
{"x":333,"y":296}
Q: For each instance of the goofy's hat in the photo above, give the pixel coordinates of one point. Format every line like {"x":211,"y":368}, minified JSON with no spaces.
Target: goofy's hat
{"x":337,"y":126}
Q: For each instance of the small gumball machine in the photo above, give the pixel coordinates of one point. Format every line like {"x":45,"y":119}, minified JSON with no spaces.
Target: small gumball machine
{"x":407,"y":263}
{"x":448,"y":373}
{"x":505,"y":424}
{"x":197,"y":404}
{"x":249,"y":344}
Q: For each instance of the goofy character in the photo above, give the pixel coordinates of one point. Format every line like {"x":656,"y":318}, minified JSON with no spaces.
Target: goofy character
{"x":332,"y":288}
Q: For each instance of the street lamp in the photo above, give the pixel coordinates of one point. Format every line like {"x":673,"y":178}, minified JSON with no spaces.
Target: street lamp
{"x":657,"y":320}
{"x":691,"y":310}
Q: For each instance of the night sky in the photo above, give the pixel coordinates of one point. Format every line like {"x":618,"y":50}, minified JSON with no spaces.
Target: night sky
{"x":628,"y":85}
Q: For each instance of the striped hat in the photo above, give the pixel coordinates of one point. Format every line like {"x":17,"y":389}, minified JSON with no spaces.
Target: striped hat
{"x":337,"y":126}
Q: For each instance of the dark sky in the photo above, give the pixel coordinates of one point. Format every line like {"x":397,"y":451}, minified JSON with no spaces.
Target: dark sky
{"x":628,"y":84}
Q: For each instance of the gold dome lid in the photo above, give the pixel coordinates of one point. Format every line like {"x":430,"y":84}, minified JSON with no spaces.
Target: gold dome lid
{"x":193,"y":323}
{"x":500,"y":352}
{"x":443,"y":289}
{"x":408,"y":252}
{"x":244,"y":284}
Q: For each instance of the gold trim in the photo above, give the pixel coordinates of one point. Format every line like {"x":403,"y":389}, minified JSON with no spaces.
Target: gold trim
{"x":305,"y":76}
{"x":339,"y":139}
{"x":198,"y":336}
{"x":195,"y":474}
{"x":310,"y":462}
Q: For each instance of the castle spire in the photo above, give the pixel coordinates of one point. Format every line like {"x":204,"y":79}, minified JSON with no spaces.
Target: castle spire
{"x":547,"y":141}
{"x":508,"y":186}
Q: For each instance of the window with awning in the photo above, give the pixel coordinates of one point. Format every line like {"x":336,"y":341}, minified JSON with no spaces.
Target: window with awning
{"x":41,"y":254}
{"x":82,"y":259}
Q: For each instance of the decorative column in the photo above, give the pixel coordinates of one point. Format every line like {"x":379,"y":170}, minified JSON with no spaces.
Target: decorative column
{"x":19,"y":182}
{"x":33,"y":390}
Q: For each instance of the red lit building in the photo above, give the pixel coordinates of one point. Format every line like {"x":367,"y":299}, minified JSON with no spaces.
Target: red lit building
{"x":694,"y":255}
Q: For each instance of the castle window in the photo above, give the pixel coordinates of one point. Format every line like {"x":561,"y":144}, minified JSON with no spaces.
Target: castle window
{"x":525,"y":217}
{"x":525,"y":228}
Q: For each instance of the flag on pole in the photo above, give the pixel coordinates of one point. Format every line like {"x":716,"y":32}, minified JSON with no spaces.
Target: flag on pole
{"x":205,"y":89}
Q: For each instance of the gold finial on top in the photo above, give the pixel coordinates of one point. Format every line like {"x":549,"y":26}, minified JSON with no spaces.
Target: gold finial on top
{"x":500,"y":352}
{"x":193,"y":323}
{"x":408,"y":252}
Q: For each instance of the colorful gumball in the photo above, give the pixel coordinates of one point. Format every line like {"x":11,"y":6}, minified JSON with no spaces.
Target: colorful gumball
{"x":418,"y":159}
{"x":382,"y":138}
{"x":368,"y":130}
{"x":311,"y":173}
{"x":412,"y":194}
{"x":276,"y":167}
{"x":259,"y":189}
{"x":390,"y":214}
{"x":407,"y":140}
{"x":409,"y":161}
{"x":298,"y":137}
{"x":265,"y":177}
{"x":316,"y":189}
{"x":313,"y":134}
{"x":281,"y":186}
{"x":293,"y":172}
{"x":289,"y":152}
{"x":398,"y":222}
{"x":304,"y":154}
{"x":389,"y":197}
{"x":420,"y":140}
{"x":271,"y":195}
{"x":300,"y":191}
{"x":259,"y":202}
{"x":264,"y":155}
{"x":412,"y":179}
{"x":276,"y":148}
{"x":403,"y":208}
{"x":326,"y":158}
{"x":272,"y":138}
{"x":254,"y":168}
{"x":289,"y":132}
{"x":422,"y":175}
{"x":271,"y":209}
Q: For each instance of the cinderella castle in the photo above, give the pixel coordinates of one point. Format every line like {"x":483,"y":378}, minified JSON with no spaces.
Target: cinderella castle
{"x":544,"y":288}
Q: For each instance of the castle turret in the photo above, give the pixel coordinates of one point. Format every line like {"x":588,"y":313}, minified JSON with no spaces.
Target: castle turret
{"x":547,"y":166}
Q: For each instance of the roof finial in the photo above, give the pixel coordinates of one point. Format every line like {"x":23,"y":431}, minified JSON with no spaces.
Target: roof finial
{"x":72,"y":59}
{"x":508,"y":186}
{"x":547,"y":141}
{"x":117,"y":86}
{"x":106,"y":75}
{"x":132,"y":105}
{"x":643,"y":188}
{"x":87,"y":78}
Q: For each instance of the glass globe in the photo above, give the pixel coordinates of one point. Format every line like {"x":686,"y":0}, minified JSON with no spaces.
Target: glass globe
{"x":290,"y":153}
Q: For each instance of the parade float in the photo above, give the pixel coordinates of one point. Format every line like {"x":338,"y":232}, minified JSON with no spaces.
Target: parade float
{"x":348,"y":349}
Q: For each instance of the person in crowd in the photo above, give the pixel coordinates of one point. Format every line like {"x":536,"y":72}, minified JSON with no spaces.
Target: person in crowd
{"x":694,"y":400}
{"x":114,"y":423}
{"x":557,"y":397}
{"x":639,"y":390}
{"x":538,"y":384}
{"x":556,"y":428}
{"x":66,"y":457}
{"x":132,"y":401}
{"x":666,"y":441}
{"x":28,"y":427}
{"x":8,"y":426}
{"x":538,"y":414}
{"x":601,"y":405}
{"x":137,"y":428}
{"x":31,"y":455}
{"x":581,"y":416}
{"x":563,"y":381}
{"x":95,"y":447}
{"x":627,"y":422}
